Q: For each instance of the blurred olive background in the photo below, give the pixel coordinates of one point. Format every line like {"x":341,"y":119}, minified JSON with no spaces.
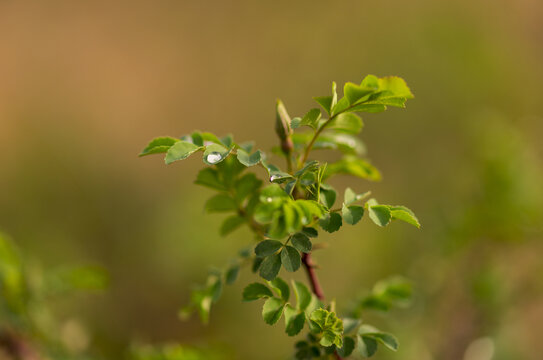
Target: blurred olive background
{"x":85,"y":85}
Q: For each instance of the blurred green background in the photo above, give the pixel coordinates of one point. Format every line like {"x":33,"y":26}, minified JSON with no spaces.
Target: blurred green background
{"x":85,"y":85}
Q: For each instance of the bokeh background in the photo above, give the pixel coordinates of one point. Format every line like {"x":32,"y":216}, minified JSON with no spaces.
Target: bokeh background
{"x":84,"y":86}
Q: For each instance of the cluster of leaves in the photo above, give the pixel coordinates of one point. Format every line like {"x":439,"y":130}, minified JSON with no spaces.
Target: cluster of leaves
{"x":25,"y":296}
{"x":285,"y":215}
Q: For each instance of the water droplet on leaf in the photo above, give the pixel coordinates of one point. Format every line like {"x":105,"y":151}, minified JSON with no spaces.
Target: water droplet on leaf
{"x":214,"y":157}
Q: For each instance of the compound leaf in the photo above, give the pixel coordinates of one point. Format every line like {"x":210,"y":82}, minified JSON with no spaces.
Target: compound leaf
{"x":180,"y":150}
{"x":290,"y":258}
{"x":158,"y":145}
{"x":272,"y":310}
{"x":256,"y":291}
{"x":267,"y":247}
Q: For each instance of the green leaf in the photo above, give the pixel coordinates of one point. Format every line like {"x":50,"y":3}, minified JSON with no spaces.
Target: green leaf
{"x":404,"y":214}
{"x":257,"y":262}
{"x":346,"y":143}
{"x":311,"y":118}
{"x":351,"y":165}
{"x":272,"y":310}
{"x":396,"y":86}
{"x":158,"y":145}
{"x":290,"y":258}
{"x":303,"y":295}
{"x":232,"y":274}
{"x":370,"y":81}
{"x":301,"y":242}
{"x":348,"y":122}
{"x":229,"y":169}
{"x":210,"y":177}
{"x":310,"y":166}
{"x":256,"y":291}
{"x":355,"y":92}
{"x":245,"y":186}
{"x":383,"y":100}
{"x":350,"y":325}
{"x":210,"y":138}
{"x":310,"y":232}
{"x":215,"y":154}
{"x":247,"y":146}
{"x":328,"y":196}
{"x":180,"y":150}
{"x":291,"y":218}
{"x":296,"y":123}
{"x":220,"y":203}
{"x":379,"y":214}
{"x":271,"y":192}
{"x":214,"y":287}
{"x":325,"y":102}
{"x":281,"y":287}
{"x":230,"y":224}
{"x":267,"y":247}
{"x":264,"y":213}
{"x":311,"y":209}
{"x":249,"y":160}
{"x":348,"y":347}
{"x":294,"y":321}
{"x":227,"y":141}
{"x":352,"y":214}
{"x":341,"y":106}
{"x":196,"y":138}
{"x":277,"y":228}
{"x":386,"y":339}
{"x":275,"y":174}
{"x":369,"y":108}
{"x":331,"y":222}
{"x":367,"y":347}
{"x":270,"y":267}
{"x":349,"y":197}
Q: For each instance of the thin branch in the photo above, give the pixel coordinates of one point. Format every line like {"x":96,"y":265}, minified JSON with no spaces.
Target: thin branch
{"x":309,"y":266}
{"x":312,"y":142}
{"x":313,"y":279}
{"x":319,"y":130}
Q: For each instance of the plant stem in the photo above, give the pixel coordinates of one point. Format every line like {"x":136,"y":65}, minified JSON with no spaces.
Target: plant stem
{"x":313,"y":280}
{"x":312,"y":142}
{"x":289,"y":162}
{"x":319,"y":130}
{"x":309,"y":266}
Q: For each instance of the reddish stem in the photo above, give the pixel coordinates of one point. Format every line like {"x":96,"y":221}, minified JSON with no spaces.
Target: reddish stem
{"x":310,"y":269}
{"x":314,"y":281}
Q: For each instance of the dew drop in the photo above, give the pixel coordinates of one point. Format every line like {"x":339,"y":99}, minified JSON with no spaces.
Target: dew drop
{"x":269,"y":199}
{"x":274,"y":177}
{"x":214,"y":157}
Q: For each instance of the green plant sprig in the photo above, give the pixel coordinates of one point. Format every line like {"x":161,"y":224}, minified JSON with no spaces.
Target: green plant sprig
{"x":285,"y":214}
